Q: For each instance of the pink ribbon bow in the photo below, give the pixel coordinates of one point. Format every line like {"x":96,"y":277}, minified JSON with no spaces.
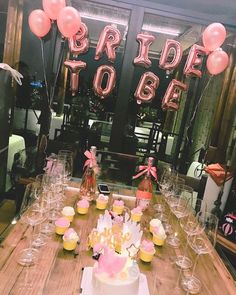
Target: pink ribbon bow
{"x":91,"y":159}
{"x":148,"y":170}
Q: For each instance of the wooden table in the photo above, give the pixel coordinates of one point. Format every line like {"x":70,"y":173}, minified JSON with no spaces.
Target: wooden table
{"x":59,"y":272}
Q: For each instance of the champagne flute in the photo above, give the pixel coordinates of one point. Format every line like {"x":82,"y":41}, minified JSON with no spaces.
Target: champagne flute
{"x":202,"y":243}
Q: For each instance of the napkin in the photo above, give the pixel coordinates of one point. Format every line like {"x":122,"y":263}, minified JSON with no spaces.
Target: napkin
{"x":217,"y":173}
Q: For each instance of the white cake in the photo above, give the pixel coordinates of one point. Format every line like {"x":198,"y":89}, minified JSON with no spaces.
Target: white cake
{"x":125,"y":282}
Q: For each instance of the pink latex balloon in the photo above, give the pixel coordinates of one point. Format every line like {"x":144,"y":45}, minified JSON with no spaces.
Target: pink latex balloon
{"x":53,"y":7}
{"x":171,"y":45}
{"x":171,"y":98}
{"x":145,"y":41}
{"x":214,"y":36}
{"x":109,"y":40}
{"x":79,"y":43}
{"x":68,"y":21}
{"x":217,"y":62}
{"x":111,"y":80}
{"x":75,"y":67}
{"x":146,"y":88}
{"x":39,"y":23}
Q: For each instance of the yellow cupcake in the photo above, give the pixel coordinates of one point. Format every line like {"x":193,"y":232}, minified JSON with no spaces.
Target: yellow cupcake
{"x":159,"y":236}
{"x":70,"y":239}
{"x":82,"y":206}
{"x":62,"y":224}
{"x":69,"y":245}
{"x":146,"y":251}
{"x":101,"y":202}
{"x":118,"y":207}
{"x":68,"y":212}
{"x":136,"y":214}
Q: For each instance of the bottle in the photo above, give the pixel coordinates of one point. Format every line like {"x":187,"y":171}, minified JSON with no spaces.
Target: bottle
{"x":144,"y":191}
{"x":89,"y":184}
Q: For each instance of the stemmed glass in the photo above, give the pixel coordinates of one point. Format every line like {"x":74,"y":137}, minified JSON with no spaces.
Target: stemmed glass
{"x":202,"y":243}
{"x":67,"y":157}
{"x":192,"y":225}
{"x":29,"y":256}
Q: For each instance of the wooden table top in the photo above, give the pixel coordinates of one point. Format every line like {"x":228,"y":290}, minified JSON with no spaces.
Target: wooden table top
{"x":60,"y":272}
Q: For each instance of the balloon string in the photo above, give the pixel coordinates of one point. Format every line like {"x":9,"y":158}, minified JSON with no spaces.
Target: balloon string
{"x":196,"y":109}
{"x":44,"y":69}
{"x":58,"y":69}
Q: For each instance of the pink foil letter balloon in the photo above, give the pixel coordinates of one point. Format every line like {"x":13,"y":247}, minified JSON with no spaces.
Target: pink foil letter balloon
{"x":98,"y":78}
{"x":79,"y":43}
{"x":176,"y":48}
{"x":109,"y":40}
{"x":146,"y":88}
{"x":145,"y":40}
{"x":171,"y":98}
{"x":194,"y":60}
{"x":75,"y":67}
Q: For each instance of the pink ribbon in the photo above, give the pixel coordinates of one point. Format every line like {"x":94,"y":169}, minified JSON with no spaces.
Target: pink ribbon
{"x":148,"y":170}
{"x":91,"y":159}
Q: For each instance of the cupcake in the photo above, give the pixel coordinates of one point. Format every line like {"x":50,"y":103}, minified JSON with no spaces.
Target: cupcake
{"x":68,"y":212}
{"x":82,"y":206}
{"x":101,"y":202}
{"x":154,"y":223}
{"x":117,"y":224}
{"x":70,"y":239}
{"x":136,"y":214}
{"x":159,"y":235}
{"x":118,"y":207}
{"x":62,"y":225}
{"x":146,"y":251}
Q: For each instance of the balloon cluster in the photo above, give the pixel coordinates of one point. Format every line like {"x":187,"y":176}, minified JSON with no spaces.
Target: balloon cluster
{"x":70,"y":25}
{"x":213,"y":37}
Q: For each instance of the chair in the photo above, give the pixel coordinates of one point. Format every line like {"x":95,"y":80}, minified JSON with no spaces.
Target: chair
{"x":116,"y":167}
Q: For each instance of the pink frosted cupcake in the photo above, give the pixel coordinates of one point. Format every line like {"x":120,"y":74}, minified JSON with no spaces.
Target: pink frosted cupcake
{"x":154,"y":223}
{"x":136,"y":214}
{"x":68,"y":212}
{"x":70,"y":239}
{"x":146,"y":251}
{"x":62,"y":225}
{"x":82,"y":206}
{"x":118,"y":207}
{"x":101,"y":202}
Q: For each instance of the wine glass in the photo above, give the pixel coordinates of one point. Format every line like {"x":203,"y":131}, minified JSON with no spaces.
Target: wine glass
{"x":192,"y":225}
{"x":29,"y":255}
{"x":202,"y":243}
{"x":67,"y":157}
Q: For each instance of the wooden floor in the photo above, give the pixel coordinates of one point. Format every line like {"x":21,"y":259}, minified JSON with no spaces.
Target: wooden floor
{"x":7,"y":213}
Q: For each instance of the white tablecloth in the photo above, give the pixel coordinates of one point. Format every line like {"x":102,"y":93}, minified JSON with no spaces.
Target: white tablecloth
{"x":16,"y":144}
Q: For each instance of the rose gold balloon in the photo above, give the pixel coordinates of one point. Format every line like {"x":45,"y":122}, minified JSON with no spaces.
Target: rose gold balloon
{"x":171,"y":46}
{"x":145,"y":40}
{"x":194,"y":59}
{"x":217,"y":62}
{"x":214,"y":36}
{"x":75,"y":67}
{"x":111,"y":80}
{"x":39,"y":23}
{"x":146,"y":88}
{"x":53,"y":7}
{"x":109,"y":40}
{"x":79,"y":43}
{"x":171,"y":98}
{"x":68,"y":21}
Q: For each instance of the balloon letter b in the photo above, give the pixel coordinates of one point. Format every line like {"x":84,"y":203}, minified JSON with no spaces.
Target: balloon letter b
{"x":98,"y":78}
{"x":178,"y":52}
{"x":79,"y":43}
{"x":145,"y":41}
{"x":109,"y":40}
{"x":171,"y":98}
{"x":146,"y":88}
{"x":194,"y":59}
{"x":75,"y":67}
